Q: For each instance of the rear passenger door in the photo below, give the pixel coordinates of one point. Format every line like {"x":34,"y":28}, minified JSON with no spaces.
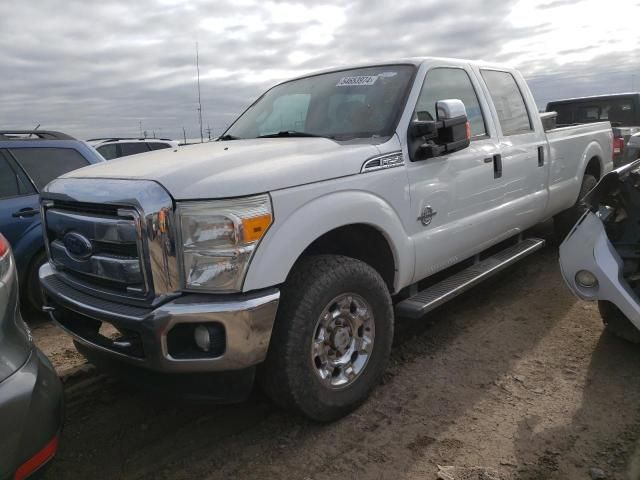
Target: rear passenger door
{"x":19,"y":206}
{"x":523,"y":146}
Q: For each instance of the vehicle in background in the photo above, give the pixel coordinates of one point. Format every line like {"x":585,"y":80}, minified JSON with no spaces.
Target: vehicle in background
{"x":282,"y":249}
{"x":632,"y":148}
{"x":599,"y":258}
{"x":111,"y":148}
{"x":31,"y":399}
{"x":28,"y":161}
{"x":622,"y":110}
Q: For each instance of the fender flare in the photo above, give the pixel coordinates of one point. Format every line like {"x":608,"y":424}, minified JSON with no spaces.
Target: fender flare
{"x":288,"y":238}
{"x":27,"y":246}
{"x":593,"y":150}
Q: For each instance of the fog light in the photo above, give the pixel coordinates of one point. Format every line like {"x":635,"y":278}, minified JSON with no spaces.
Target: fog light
{"x":202,"y":337}
{"x":586,"y":279}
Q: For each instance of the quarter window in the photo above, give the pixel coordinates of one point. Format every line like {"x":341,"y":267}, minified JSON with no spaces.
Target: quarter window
{"x":158,"y":145}
{"x":509,"y":103}
{"x":108,"y":151}
{"x":448,"y":83}
{"x":133,"y":148}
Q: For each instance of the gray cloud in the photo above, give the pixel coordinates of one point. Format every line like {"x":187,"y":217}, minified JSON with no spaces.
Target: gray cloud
{"x":95,"y":69}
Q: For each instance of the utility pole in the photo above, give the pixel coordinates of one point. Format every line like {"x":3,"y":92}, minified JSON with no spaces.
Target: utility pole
{"x":184,"y":135}
{"x":199,"y":99}
{"x":208,"y":131}
{"x":633,"y":82}
{"x":140,"y":125}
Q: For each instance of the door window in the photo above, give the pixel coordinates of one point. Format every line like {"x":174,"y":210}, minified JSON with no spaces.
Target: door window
{"x":509,"y":103}
{"x":44,"y":164}
{"x":133,"y":148}
{"x":448,"y":83}
{"x":8,"y":180}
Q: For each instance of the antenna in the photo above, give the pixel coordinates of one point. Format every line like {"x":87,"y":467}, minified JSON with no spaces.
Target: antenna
{"x":199,"y":100}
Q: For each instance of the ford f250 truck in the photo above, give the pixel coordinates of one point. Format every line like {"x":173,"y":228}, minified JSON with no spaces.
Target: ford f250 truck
{"x":284,"y":250}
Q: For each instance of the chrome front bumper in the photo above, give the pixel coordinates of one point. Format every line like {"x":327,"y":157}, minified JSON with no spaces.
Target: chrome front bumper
{"x":588,"y":248}
{"x":247,"y":319}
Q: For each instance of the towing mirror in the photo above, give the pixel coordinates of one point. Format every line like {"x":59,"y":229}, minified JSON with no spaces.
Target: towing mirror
{"x":449,"y":133}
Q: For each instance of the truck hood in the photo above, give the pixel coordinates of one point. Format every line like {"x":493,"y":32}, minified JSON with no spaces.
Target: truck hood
{"x":238,"y":167}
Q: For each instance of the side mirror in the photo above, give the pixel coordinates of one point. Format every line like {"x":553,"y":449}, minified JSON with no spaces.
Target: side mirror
{"x":449,"y":133}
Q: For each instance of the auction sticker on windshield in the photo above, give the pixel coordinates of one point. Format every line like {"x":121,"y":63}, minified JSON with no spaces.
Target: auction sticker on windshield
{"x":360,"y":80}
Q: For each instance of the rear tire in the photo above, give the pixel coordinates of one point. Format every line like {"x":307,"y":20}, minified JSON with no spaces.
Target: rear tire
{"x":331,"y":339}
{"x":617,"y":323}
{"x":565,"y":220}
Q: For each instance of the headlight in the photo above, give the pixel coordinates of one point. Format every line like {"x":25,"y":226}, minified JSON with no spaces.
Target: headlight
{"x":218,"y":239}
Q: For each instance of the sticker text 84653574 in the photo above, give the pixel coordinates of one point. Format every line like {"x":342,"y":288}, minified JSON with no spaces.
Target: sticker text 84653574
{"x":355,"y":81}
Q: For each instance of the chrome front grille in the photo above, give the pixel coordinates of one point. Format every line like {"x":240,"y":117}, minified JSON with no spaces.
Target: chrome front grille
{"x":112,"y":260}
{"x":112,"y":238}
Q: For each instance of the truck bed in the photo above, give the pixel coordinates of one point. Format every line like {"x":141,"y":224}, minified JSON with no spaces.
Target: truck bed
{"x":568,"y":147}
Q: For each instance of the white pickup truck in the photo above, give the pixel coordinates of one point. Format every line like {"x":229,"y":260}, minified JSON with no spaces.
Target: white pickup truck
{"x":285,"y":249}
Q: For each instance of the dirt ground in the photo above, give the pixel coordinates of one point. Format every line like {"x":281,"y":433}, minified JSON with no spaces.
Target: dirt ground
{"x":514,"y":380}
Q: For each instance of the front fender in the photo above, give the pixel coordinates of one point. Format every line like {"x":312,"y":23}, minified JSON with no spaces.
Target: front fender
{"x":288,"y":237}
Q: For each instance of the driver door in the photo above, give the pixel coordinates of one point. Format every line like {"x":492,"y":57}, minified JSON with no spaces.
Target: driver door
{"x":452,"y":196}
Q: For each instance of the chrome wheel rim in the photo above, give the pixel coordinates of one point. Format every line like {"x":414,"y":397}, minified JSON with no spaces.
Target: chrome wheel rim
{"x":343,"y":340}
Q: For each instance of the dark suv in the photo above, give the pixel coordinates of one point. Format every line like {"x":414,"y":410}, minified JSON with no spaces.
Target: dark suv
{"x":28,"y":161}
{"x":621,"y":109}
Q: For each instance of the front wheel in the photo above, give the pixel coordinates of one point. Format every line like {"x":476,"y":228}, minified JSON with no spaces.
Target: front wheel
{"x":332,"y":337}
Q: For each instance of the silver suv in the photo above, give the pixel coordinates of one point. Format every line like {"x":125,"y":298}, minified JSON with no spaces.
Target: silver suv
{"x":112,"y":148}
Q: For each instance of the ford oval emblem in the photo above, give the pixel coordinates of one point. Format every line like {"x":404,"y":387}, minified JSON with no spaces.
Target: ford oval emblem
{"x":78,"y":246}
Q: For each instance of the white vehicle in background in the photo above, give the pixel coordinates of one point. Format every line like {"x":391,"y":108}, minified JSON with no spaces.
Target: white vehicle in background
{"x":112,"y":148}
{"x":285,"y":249}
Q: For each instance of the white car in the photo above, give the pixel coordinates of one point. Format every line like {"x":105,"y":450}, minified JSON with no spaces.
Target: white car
{"x":286,"y":248}
{"x":111,"y":148}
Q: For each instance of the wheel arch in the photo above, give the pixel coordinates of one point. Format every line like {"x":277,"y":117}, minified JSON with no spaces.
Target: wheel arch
{"x":324,"y":225}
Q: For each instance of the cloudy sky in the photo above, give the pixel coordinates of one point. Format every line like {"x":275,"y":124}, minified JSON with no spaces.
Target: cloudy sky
{"x":98,"y":68}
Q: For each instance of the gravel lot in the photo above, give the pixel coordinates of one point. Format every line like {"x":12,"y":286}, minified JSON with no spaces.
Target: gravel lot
{"x":514,"y":380}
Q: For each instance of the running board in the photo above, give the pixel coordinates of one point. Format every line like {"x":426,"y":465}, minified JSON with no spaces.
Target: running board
{"x":441,"y":292}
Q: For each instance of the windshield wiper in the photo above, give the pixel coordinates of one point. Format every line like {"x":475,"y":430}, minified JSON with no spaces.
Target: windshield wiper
{"x":291,"y":133}
{"x":228,"y":137}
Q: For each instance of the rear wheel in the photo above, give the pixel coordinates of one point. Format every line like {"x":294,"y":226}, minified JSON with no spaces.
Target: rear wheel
{"x":617,"y":323}
{"x":565,"y":220}
{"x":332,"y":337}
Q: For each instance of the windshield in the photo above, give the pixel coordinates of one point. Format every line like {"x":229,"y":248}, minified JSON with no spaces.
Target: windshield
{"x":357,"y":103}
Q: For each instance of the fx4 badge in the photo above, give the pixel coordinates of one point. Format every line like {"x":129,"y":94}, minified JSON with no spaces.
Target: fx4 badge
{"x":427,"y":215}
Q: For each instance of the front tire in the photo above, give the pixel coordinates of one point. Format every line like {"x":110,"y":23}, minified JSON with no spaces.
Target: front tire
{"x":331,"y":339}
{"x":617,"y":323}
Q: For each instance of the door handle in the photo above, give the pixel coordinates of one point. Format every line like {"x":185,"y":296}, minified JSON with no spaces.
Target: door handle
{"x":26,"y":212}
{"x":541,"y":156}
{"x":497,"y":165}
